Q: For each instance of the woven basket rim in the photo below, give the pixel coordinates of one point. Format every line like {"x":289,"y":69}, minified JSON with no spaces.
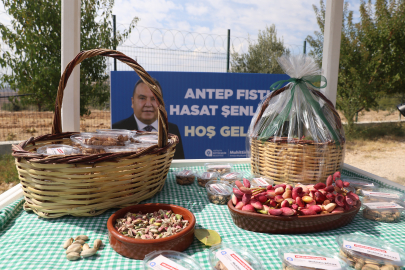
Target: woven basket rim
{"x":287,"y":140}
{"x":20,"y":152}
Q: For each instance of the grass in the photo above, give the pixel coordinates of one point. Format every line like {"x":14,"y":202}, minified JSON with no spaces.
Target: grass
{"x":386,"y":131}
{"x":8,"y":171}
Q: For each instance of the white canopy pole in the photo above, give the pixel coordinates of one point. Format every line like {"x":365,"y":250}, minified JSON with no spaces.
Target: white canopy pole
{"x":69,"y":49}
{"x":331,"y":46}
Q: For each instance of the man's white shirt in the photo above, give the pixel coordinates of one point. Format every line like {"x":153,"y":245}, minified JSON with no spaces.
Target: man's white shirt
{"x":141,"y":125}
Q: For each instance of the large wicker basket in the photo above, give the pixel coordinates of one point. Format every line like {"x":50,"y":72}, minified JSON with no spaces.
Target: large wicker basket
{"x":88,"y":185}
{"x":294,"y":160}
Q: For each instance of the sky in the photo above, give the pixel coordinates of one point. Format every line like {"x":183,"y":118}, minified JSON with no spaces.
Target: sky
{"x":294,"y":19}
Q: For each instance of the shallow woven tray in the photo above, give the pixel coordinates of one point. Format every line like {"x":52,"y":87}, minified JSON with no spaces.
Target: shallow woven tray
{"x":291,"y":225}
{"x":293,"y":160}
{"x":88,"y":185}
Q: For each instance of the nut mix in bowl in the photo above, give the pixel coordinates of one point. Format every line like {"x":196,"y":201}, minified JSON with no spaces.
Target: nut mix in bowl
{"x":364,"y":252}
{"x":205,"y":177}
{"x":137,"y":248}
{"x":185,"y":177}
{"x":300,"y":257}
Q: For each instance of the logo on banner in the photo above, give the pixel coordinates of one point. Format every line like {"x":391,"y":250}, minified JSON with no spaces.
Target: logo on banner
{"x":208,"y":153}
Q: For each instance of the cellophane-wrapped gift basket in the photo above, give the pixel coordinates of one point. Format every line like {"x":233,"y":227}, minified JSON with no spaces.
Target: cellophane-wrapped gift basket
{"x":89,"y":183}
{"x":296,"y":135}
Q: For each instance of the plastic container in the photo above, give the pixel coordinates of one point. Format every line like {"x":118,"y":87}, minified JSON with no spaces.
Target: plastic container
{"x":309,"y":257}
{"x":127,"y":148}
{"x":204,"y":177}
{"x":360,"y":184}
{"x":224,"y":254}
{"x":383,"y":211}
{"x":261,"y":181}
{"x":185,"y":177}
{"x":382,"y":194}
{"x":58,"y":149}
{"x":220,"y":168}
{"x":92,"y":149}
{"x":172,"y":259}
{"x":363,"y":251}
{"x":144,"y":138}
{"x":123,"y":134}
{"x":77,"y":139}
{"x":232,"y":177}
{"x":218,"y":192}
{"x":99,"y":139}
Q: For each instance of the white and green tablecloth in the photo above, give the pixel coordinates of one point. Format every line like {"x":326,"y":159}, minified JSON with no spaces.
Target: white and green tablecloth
{"x":29,"y":242}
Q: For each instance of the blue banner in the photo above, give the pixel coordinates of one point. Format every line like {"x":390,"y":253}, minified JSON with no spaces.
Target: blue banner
{"x":211,"y":110}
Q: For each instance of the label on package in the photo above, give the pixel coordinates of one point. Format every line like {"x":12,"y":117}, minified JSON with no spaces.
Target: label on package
{"x":163,"y":263}
{"x":261,"y":182}
{"x":207,"y":175}
{"x":380,"y":194}
{"x":318,"y":262}
{"x":231,"y":260}
{"x":185,"y":173}
{"x":219,"y":189}
{"x":230,"y":175}
{"x":383,"y":205}
{"x":382,"y":253}
{"x":55,"y":151}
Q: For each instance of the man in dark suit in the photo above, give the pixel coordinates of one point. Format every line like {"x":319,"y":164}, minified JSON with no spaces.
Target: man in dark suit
{"x":146,"y":114}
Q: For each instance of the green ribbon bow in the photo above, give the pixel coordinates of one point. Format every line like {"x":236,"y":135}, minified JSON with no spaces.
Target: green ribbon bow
{"x":277,"y":122}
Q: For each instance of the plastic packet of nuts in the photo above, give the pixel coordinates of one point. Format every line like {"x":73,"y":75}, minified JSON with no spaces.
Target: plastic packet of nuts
{"x":220,"y":168}
{"x":360,"y":184}
{"x":170,"y":259}
{"x":58,"y":149}
{"x":126,"y":148}
{"x":218,"y":192}
{"x":364,"y":252}
{"x":300,"y":257}
{"x":227,"y":257}
{"x":232,"y":177}
{"x":204,"y":177}
{"x":382,"y":194}
{"x":123,"y":134}
{"x":185,"y":177}
{"x":383,"y":211}
{"x":99,"y":139}
{"x":144,"y":138}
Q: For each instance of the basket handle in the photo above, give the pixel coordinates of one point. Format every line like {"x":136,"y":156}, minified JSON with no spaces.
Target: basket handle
{"x":146,"y":78}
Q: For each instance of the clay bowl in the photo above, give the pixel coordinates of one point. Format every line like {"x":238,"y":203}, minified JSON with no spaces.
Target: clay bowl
{"x":138,"y":248}
{"x":291,"y":225}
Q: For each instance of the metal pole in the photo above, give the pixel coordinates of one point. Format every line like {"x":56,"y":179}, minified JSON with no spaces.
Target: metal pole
{"x":227,"y":54}
{"x":114,"y":47}
{"x":305,"y":47}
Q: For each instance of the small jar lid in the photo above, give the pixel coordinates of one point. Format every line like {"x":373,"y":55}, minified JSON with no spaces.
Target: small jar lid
{"x":228,"y":255}
{"x":232,"y":176}
{"x":302,"y":257}
{"x":58,"y":149}
{"x":370,"y":248}
{"x":261,"y":181}
{"x":384,"y":194}
{"x":184,"y":173}
{"x":218,"y":187}
{"x":208,"y":175}
{"x":172,"y":260}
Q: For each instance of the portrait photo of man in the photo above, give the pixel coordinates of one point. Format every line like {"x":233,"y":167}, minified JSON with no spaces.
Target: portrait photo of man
{"x":145,"y":115}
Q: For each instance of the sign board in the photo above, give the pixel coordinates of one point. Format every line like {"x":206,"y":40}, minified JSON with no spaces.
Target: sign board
{"x":213,"y":111}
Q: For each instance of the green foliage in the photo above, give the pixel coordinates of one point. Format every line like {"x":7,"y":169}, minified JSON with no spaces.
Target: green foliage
{"x":261,"y":56}
{"x":376,"y":131}
{"x":371,"y":55}
{"x":8,"y":171}
{"x":35,"y":41}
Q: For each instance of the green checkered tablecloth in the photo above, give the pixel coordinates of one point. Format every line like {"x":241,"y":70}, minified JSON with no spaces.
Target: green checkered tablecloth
{"x":29,"y":242}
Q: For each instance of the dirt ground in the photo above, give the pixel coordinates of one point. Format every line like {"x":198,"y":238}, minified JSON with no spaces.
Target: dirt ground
{"x":383,"y":158}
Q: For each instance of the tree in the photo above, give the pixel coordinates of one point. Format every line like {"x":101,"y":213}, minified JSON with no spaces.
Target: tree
{"x":261,"y":56}
{"x":372,"y":54}
{"x":35,"y":42}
